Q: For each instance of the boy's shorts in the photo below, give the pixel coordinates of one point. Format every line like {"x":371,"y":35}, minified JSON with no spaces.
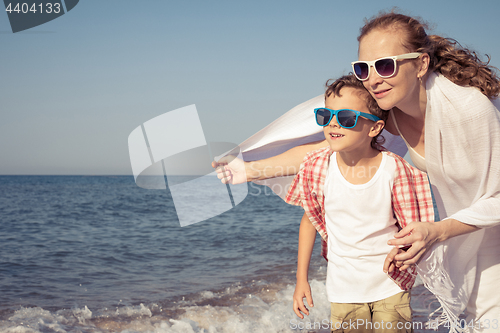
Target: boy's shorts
{"x":392,"y":314}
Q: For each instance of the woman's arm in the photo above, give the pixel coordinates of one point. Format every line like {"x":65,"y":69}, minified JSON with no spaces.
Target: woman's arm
{"x":465,"y":169}
{"x":307,"y":236}
{"x":235,"y":171}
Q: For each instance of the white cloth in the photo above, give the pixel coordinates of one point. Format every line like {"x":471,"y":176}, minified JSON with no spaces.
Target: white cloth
{"x":483,"y":307}
{"x":462,"y":153}
{"x":359,"y":222}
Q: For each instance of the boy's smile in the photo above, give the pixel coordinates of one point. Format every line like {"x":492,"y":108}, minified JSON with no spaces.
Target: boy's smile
{"x":336,"y":135}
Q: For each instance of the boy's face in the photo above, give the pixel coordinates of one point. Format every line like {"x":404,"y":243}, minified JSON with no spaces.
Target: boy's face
{"x":348,"y":139}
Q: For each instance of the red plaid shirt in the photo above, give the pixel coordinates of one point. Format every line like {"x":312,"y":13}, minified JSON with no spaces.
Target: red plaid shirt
{"x":411,"y":199}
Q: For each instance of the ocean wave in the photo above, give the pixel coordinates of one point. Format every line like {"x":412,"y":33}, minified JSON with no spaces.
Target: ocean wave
{"x":267,"y":309}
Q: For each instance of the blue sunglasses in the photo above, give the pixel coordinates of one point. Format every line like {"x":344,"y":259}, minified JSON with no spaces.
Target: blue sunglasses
{"x":346,"y":118}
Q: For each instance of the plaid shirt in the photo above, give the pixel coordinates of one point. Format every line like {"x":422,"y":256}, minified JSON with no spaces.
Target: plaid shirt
{"x":411,"y":199}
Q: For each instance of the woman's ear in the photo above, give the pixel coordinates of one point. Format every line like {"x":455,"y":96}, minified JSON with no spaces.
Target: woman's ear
{"x":376,"y":128}
{"x":424,"y":62}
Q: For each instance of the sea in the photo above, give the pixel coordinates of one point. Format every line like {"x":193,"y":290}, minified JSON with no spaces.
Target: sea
{"x":100,"y":254}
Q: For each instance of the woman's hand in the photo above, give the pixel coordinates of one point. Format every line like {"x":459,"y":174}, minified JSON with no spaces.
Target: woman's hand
{"x":420,"y":235}
{"x":302,"y":289}
{"x":231,"y":169}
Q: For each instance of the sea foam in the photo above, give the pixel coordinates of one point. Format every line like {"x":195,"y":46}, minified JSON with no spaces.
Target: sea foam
{"x":266,"y":311}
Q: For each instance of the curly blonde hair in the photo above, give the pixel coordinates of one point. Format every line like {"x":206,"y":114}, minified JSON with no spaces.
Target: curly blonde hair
{"x":460,"y":65}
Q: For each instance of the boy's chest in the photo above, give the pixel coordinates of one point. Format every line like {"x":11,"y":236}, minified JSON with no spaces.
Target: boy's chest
{"x":360,"y":204}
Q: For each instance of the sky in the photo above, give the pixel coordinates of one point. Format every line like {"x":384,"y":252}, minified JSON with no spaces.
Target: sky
{"x":73,"y":89}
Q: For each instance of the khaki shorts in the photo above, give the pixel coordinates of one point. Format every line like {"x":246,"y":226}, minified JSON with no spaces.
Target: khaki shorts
{"x":389,"y":315}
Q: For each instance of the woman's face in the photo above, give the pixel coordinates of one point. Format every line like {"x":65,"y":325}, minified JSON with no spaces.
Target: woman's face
{"x":400,"y":90}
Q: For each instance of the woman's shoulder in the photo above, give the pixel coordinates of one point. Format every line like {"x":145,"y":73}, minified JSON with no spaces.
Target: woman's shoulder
{"x":438,"y":84}
{"x":438,"y":81}
{"x":463,"y":100}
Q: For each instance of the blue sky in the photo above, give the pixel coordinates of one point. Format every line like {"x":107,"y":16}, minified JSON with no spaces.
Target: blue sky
{"x":73,"y":89}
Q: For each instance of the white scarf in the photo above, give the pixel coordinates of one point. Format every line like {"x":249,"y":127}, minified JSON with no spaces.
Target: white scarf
{"x":462,"y":153}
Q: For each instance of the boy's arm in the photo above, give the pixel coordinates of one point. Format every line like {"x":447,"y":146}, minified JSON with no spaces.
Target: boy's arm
{"x":233,"y":170}
{"x":307,"y":236}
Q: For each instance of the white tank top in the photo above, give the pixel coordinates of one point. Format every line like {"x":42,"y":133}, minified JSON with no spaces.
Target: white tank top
{"x":416,"y":158}
{"x":359,"y":222}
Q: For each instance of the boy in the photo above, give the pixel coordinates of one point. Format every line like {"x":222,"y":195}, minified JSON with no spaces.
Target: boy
{"x":355,"y":195}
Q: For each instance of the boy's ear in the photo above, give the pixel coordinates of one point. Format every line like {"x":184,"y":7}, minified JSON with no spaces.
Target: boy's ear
{"x":377,"y":128}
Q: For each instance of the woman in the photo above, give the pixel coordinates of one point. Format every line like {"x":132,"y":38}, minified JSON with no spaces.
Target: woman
{"x":442,"y":102}
{"x":440,"y":106}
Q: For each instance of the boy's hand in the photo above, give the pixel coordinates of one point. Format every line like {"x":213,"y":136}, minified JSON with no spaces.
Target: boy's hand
{"x":302,"y":289}
{"x":390,"y":263}
{"x":230,"y":169}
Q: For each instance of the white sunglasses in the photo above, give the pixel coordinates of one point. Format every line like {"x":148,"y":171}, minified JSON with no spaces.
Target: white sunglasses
{"x":385,"y":67}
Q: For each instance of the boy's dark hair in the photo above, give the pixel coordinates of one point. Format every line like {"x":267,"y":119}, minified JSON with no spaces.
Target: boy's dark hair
{"x":350,"y":81}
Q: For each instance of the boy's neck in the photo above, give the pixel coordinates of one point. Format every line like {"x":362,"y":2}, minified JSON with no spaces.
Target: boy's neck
{"x":359,"y":167}
{"x":357,"y":157}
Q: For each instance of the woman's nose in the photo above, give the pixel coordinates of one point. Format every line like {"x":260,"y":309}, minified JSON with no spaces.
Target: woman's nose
{"x":373,"y":77}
